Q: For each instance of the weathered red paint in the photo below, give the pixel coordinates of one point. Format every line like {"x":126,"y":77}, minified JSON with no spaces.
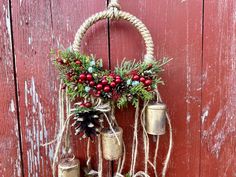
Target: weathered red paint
{"x":38,"y":27}
{"x":10,"y":159}
{"x":171,"y":25}
{"x":218,"y":157}
{"x":199,"y":82}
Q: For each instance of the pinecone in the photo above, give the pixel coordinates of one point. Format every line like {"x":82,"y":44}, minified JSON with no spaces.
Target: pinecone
{"x":87,"y":124}
{"x":120,"y":88}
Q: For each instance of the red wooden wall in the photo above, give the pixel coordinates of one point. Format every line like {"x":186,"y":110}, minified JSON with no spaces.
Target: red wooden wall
{"x":200,"y":88}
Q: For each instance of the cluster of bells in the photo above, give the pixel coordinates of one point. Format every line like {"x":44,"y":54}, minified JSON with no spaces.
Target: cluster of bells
{"x":112,"y":144}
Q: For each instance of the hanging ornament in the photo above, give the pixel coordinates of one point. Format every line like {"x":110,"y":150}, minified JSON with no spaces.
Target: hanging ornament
{"x":156,"y":119}
{"x":69,"y":167}
{"x":85,"y":78}
{"x":87,"y":123}
{"x":112,"y":143}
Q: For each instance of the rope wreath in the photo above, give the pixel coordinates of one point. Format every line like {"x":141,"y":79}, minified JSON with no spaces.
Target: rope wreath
{"x":114,"y":12}
{"x":85,"y":77}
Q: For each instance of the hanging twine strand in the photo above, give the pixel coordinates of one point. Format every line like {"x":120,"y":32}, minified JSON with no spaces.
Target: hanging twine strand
{"x":145,"y":138}
{"x":166,"y":162}
{"x":100,"y":162}
{"x":135,"y":142}
{"x":64,"y":128}
{"x":155,"y":157}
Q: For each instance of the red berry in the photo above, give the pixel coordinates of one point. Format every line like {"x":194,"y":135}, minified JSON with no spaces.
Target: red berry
{"x":107,"y":88}
{"x":88,"y":104}
{"x":112,"y":74}
{"x":99,"y":86}
{"x":80,"y":81}
{"x":91,"y":83}
{"x":148,"y":82}
{"x":59,"y":60}
{"x":78,"y":62}
{"x":149,"y":66}
{"x":82,"y":76}
{"x":142,"y":79}
{"x":117,"y":77}
{"x":118,"y":81}
{"x":97,"y":94}
{"x":112,"y":84}
{"x":136,"y":77}
{"x":149,"y":88}
{"x":89,"y":77}
{"x":104,"y":82}
{"x":82,"y":105}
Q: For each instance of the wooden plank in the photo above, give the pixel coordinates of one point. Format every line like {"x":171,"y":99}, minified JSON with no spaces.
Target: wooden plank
{"x":67,"y":18}
{"x":218,"y":157}
{"x":10,"y":159}
{"x":176,"y":30}
{"x":39,"y":26}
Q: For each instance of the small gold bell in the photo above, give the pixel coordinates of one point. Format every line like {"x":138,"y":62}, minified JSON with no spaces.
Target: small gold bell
{"x":111,"y":147}
{"x":69,"y":167}
{"x":156,"y":119}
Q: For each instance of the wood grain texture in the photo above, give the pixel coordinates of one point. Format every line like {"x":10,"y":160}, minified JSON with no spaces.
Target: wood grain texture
{"x":10,"y":159}
{"x":39,"y":26}
{"x":218,"y":157}
{"x":199,"y":82}
{"x":176,"y":30}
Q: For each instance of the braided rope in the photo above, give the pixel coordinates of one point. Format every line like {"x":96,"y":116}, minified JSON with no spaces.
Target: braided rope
{"x":113,"y":12}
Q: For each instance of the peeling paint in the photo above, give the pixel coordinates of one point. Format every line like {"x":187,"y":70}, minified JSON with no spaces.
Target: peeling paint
{"x":188,"y":117}
{"x":204,"y":115}
{"x":30,"y":40}
{"x":8,"y":20}
{"x":12,"y":106}
{"x":36,"y":131}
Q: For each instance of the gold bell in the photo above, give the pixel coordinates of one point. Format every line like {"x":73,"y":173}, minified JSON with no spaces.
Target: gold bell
{"x":111,"y":147}
{"x":69,"y":167}
{"x":156,"y":119}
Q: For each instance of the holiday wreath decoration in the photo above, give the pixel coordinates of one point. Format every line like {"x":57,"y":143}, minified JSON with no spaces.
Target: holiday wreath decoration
{"x":92,"y":93}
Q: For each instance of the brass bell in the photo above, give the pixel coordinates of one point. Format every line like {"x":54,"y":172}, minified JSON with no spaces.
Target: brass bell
{"x":69,"y":167}
{"x":156,"y":119}
{"x":111,"y":147}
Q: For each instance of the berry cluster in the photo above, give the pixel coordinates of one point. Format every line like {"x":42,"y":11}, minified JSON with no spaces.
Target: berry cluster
{"x":137,"y":79}
{"x":85,"y":104}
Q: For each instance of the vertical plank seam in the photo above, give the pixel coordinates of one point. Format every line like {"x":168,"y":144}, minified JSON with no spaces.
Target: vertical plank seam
{"x":201,"y":103}
{"x":111,"y":163}
{"x":50,"y":4}
{"x":16,"y":90}
{"x":109,"y":40}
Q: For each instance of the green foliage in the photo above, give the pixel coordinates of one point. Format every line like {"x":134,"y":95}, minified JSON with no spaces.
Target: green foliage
{"x":127,"y":175}
{"x":126,"y":67}
{"x":122,"y":101}
{"x":71,"y":65}
{"x":141,"y":92}
{"x":79,"y":109}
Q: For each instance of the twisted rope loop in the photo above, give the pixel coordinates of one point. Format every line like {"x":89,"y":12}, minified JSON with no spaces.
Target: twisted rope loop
{"x":114,"y":12}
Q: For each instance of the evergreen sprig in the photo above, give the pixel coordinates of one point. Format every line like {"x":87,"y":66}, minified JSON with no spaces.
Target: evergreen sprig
{"x":72,"y":64}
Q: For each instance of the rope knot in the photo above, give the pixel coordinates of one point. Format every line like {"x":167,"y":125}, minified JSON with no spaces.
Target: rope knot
{"x":114,"y":4}
{"x":114,"y":8}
